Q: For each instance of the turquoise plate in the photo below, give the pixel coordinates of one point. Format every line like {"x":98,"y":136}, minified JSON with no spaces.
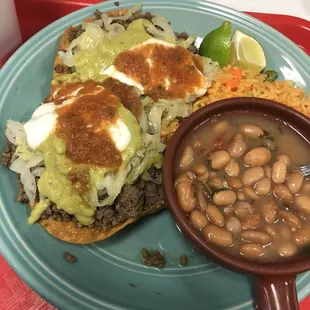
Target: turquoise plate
{"x":109,"y":274}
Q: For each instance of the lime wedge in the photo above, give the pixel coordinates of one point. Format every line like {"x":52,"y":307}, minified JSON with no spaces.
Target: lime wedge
{"x":216,"y":44}
{"x":246,"y":52}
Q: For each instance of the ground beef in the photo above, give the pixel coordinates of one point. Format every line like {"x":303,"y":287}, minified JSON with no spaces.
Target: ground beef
{"x":156,"y":175}
{"x":182,"y":35}
{"x":131,"y":202}
{"x":21,"y":197}
{"x":183,"y":260}
{"x":137,"y":15}
{"x":125,"y":23}
{"x":71,"y":259}
{"x":75,"y":32}
{"x":148,"y":16}
{"x":8,"y":154}
{"x":56,"y":214}
{"x":193,"y":49}
{"x":97,"y":14}
{"x":154,"y":194}
{"x":153,"y":259}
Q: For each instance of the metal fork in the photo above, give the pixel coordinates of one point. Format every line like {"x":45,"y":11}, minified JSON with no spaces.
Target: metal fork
{"x":305,"y":170}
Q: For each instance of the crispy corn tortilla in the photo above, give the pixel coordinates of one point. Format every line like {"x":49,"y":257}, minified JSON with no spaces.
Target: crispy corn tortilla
{"x":68,"y":231}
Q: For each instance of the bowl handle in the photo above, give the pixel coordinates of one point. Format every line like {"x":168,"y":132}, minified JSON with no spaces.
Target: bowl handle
{"x":277,"y":293}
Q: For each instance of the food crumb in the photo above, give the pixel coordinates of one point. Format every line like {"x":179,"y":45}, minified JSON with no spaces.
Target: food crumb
{"x":71,"y":259}
{"x":132,"y":285}
{"x":183,"y":260}
{"x":116,"y":3}
{"x":153,"y":259}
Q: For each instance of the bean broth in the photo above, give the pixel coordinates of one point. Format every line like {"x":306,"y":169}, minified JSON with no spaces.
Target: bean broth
{"x":237,"y":178}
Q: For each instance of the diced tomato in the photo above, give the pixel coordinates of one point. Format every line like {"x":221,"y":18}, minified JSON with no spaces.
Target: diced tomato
{"x":233,"y":84}
{"x":237,"y":72}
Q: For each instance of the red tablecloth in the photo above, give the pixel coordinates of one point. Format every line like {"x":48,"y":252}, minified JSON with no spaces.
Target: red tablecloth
{"x":14,"y":293}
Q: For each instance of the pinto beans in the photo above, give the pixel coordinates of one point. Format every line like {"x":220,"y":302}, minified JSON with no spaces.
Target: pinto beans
{"x":258,"y":156}
{"x":201,"y":199}
{"x":233,"y":225}
{"x":301,"y":237}
{"x":218,"y":236}
{"x":215,"y":215}
{"x":198,"y":219}
{"x":252,"y":175}
{"x":187,"y":157}
{"x":237,"y":146}
{"x":251,"y":250}
{"x":271,"y":231}
{"x":185,"y":193}
{"x":251,"y":221}
{"x":241,"y":196}
{"x":216,"y":183}
{"x":270,"y":211}
{"x":302,"y":203}
{"x":295,"y":181}
{"x":221,"y":127}
{"x":285,"y":232}
{"x":219,"y":159}
{"x":263,"y":187}
{"x":202,"y":172}
{"x":250,"y":193}
{"x":224,"y":198}
{"x":200,"y":169}
{"x":229,"y":211}
{"x":290,"y":219}
{"x":234,"y":183}
{"x":284,"y":158}
{"x":252,"y":131}
{"x":243,"y":209}
{"x":267,"y":170}
{"x":256,"y":237}
{"x":283,"y":193}
{"x":287,"y":250}
{"x":278,"y":172}
{"x":185,"y":177}
{"x":232,"y":168}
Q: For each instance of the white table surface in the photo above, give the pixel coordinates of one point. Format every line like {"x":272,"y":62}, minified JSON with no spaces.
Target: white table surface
{"x":298,"y":8}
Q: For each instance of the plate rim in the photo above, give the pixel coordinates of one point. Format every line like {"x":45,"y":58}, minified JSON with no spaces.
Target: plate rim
{"x":7,"y":248}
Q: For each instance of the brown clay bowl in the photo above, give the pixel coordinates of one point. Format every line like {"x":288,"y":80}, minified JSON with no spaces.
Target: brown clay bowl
{"x":276,"y":280}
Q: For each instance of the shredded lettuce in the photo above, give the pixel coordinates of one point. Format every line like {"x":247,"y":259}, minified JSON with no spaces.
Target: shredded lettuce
{"x":90,"y":38}
{"x":113,"y":183}
{"x":25,"y":161}
{"x":150,"y":159}
{"x":187,"y":43}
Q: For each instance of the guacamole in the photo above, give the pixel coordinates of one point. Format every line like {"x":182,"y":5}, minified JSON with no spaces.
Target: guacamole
{"x":92,"y":58}
{"x":80,"y":198}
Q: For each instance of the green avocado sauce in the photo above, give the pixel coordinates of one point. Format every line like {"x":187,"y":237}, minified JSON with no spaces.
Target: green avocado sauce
{"x":55,"y":186}
{"x":89,"y":62}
